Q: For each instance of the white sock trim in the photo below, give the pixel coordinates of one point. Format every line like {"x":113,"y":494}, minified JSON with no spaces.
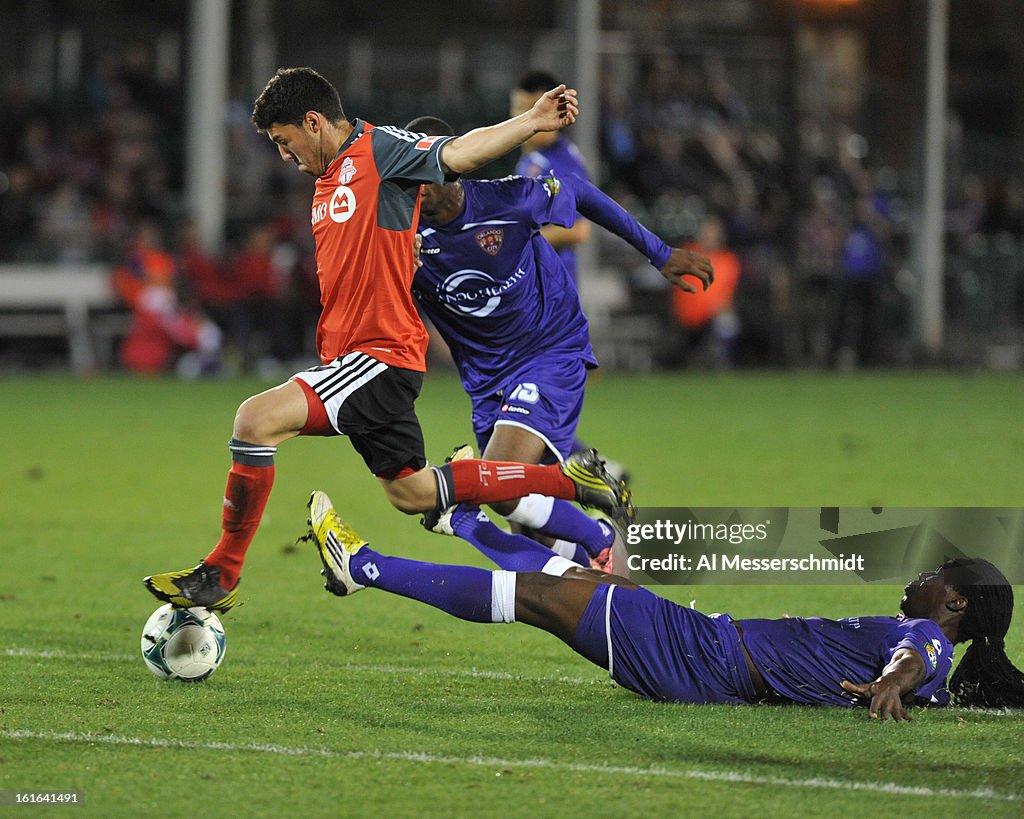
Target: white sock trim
{"x":533,"y":511}
{"x":503,"y":597}
{"x":564,"y":548}
{"x":558,"y":566}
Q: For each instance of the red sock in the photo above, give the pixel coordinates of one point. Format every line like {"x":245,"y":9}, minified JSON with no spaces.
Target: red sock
{"x":478,"y":481}
{"x":244,"y":501}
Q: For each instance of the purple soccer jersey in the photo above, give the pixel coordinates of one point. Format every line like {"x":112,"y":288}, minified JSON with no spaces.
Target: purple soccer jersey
{"x":806,"y":659}
{"x":495,"y":290}
{"x":560,"y":158}
{"x":665,"y":651}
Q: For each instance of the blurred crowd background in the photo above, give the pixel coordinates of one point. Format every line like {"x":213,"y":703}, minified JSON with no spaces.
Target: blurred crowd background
{"x":783,"y":137}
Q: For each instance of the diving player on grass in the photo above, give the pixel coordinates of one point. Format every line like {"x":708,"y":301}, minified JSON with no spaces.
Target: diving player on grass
{"x":664,"y":651}
{"x":509,"y":310}
{"x":370,"y":338}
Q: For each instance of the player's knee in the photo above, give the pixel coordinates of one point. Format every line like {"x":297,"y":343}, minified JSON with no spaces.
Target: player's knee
{"x":410,"y":500}
{"x":247,"y":426}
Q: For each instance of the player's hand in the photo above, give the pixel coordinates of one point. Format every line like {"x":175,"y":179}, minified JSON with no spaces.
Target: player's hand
{"x":417,"y":245}
{"x":883,"y":696}
{"x":688,"y":263}
{"x":556,"y":109}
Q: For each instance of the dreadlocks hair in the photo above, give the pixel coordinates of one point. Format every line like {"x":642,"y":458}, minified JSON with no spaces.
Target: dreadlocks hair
{"x":290,"y":93}
{"x":985,"y":677}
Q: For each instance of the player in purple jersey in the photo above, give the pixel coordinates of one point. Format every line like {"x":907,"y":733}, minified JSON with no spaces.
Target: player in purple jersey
{"x":542,"y":156}
{"x":503,"y":301}
{"x":664,"y":651}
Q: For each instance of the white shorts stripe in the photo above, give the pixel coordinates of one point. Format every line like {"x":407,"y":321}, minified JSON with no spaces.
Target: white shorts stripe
{"x":351,"y":373}
{"x":336,"y":382}
{"x":352,"y":386}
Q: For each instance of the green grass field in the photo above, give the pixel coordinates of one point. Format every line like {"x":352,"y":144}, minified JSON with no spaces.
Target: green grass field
{"x":381,"y":706}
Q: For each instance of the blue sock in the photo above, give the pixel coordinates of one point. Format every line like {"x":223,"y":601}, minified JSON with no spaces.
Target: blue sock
{"x":515,"y":553}
{"x":462,"y":591}
{"x":568,"y":522}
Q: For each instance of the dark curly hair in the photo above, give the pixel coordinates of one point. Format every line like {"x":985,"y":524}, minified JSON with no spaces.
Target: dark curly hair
{"x":985,"y":677}
{"x":431,"y":126}
{"x":290,"y":93}
{"x":536,"y":82}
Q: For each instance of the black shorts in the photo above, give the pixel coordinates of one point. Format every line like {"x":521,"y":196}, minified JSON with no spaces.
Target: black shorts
{"x":374,"y":405}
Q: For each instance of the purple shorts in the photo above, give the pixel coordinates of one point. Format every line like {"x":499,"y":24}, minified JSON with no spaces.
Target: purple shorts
{"x":661,"y":650}
{"x":544,"y":396}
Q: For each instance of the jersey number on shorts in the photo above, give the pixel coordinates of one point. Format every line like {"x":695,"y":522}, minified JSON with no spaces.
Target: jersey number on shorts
{"x":526,"y":392}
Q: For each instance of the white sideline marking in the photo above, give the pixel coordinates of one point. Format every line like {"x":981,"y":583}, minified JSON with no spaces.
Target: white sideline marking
{"x":819,"y":783}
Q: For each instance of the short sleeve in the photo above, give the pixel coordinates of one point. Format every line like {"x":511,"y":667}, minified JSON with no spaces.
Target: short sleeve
{"x":928,"y":640}
{"x":401,"y":154}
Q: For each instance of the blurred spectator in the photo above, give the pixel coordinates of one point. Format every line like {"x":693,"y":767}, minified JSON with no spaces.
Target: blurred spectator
{"x":215,"y":288}
{"x":709,"y":323}
{"x":550,"y":153}
{"x":263,"y":308}
{"x":863,"y":268}
{"x":163,"y":333}
{"x":66,"y":225}
{"x":18,"y":205}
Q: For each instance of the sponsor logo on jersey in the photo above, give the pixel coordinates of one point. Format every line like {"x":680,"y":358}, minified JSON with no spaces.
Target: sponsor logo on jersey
{"x":348,"y":170}
{"x":517,"y":410}
{"x":474,"y":293}
{"x":490,"y":239}
{"x":430,"y":251}
{"x":343,"y":204}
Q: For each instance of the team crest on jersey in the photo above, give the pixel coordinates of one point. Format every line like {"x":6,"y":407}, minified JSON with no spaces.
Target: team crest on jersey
{"x":348,"y":170}
{"x":490,"y":239}
{"x":933,"y":659}
{"x":552,"y":186}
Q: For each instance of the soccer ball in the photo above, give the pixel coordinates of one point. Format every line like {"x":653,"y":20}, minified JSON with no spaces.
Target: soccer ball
{"x":183,"y":644}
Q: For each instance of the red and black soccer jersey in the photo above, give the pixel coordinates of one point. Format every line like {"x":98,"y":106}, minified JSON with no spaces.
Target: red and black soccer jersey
{"x":365,"y":210}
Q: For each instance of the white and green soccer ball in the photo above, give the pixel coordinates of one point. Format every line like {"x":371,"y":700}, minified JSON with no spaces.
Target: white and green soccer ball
{"x":183,"y":644}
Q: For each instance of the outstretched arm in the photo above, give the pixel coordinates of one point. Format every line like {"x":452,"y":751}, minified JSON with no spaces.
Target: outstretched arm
{"x":673,"y":263}
{"x":901,"y":676}
{"x":556,"y":109}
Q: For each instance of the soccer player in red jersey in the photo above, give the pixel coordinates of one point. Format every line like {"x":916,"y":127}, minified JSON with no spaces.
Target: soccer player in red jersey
{"x":370,"y":338}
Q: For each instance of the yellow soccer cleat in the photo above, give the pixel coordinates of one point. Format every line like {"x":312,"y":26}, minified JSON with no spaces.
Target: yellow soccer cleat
{"x":336,"y":542}
{"x":199,"y":586}
{"x":596,"y":487}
